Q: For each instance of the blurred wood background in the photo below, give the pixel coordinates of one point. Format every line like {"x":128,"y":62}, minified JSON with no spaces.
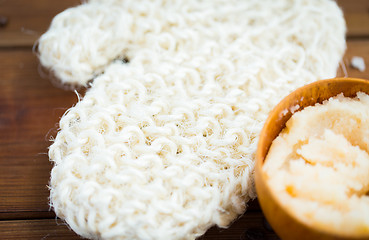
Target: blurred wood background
{"x":30,"y":108}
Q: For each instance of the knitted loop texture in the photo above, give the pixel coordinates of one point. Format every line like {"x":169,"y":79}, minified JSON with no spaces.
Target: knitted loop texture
{"x":162,"y":144}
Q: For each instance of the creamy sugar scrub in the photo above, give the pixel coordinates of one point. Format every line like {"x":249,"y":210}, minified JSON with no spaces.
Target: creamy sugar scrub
{"x":318,"y":167}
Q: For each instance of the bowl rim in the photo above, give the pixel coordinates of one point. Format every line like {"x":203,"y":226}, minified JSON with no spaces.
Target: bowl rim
{"x":293,"y":99}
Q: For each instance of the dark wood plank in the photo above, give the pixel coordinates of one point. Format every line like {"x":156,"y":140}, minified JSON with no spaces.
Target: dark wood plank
{"x":30,"y":108}
{"x":36,"y":229}
{"x":27,"y":20}
{"x":250,"y":226}
{"x":357,"y":17}
{"x":358,"y":48}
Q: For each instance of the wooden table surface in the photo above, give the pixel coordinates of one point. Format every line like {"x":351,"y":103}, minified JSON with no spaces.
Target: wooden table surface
{"x":30,"y":108}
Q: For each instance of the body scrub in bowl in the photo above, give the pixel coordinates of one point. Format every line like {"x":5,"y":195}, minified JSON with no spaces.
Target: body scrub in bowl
{"x":313,"y":178}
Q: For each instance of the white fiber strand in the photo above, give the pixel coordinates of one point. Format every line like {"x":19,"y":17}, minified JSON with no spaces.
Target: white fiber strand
{"x":162,"y":147}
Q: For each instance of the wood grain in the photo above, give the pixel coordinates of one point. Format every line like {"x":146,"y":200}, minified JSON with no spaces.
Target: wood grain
{"x":24,"y":27}
{"x":30,"y":108}
{"x":355,"y":48}
{"x":251,"y":226}
{"x":36,"y":229}
{"x":356,"y":13}
{"x":27,"y":20}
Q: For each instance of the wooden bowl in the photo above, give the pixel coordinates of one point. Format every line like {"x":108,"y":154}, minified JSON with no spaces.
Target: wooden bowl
{"x":286,"y":225}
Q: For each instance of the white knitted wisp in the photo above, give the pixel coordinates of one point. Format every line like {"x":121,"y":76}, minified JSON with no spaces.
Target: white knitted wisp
{"x":162,"y":147}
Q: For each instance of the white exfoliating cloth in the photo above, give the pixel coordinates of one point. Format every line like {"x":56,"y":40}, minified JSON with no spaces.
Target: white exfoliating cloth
{"x":162,"y":147}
